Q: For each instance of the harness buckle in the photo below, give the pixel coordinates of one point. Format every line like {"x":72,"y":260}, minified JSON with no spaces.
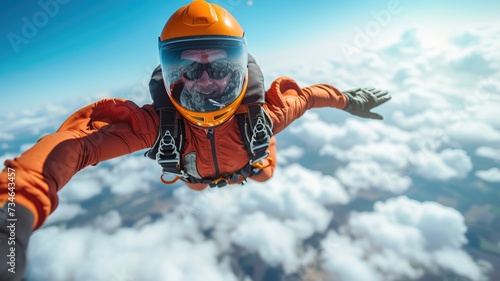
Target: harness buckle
{"x":259,"y":131}
{"x":167,"y":143}
{"x":261,"y":166}
{"x":256,"y":160}
{"x":171,"y":166}
{"x":220,"y":182}
{"x":261,"y":139}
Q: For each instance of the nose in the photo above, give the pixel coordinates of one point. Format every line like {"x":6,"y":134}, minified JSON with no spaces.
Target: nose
{"x":204,"y":79}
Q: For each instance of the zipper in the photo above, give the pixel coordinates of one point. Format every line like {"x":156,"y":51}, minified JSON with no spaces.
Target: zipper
{"x":210,"y":136}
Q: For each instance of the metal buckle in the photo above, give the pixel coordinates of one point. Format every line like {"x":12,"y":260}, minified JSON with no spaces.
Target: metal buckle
{"x":168,"y":141}
{"x":163,"y":145}
{"x":260,"y":127}
{"x":253,"y":161}
{"x":220,"y":182}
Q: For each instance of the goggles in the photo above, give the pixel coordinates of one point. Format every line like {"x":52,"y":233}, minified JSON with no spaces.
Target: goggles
{"x":215,"y":70}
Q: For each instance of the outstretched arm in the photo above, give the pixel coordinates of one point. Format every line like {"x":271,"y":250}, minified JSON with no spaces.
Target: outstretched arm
{"x":30,"y":182}
{"x":101,"y":131}
{"x":286,"y":101}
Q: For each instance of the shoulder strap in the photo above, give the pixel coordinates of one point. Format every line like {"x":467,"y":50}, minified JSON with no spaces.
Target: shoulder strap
{"x":169,"y":141}
{"x":256,"y":130}
{"x":167,"y":149}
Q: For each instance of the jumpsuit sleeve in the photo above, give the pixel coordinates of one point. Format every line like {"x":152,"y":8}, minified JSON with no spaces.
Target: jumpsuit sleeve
{"x":286,"y":101}
{"x":106,"y":129}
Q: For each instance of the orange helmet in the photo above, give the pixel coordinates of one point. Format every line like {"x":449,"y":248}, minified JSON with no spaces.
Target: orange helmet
{"x":204,"y":60}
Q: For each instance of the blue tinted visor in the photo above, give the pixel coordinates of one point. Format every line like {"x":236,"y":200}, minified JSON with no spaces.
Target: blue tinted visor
{"x":204,"y":73}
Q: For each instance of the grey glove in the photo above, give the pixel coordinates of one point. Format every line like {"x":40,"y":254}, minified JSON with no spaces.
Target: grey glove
{"x":361,"y":100}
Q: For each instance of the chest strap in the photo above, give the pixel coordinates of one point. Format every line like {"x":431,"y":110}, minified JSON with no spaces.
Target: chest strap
{"x":256,"y":130}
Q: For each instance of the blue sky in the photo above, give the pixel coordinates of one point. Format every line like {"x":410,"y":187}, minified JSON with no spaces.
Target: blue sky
{"x":54,"y":50}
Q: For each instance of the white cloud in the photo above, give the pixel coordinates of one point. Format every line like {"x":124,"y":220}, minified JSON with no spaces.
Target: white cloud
{"x":132,"y":173}
{"x":37,"y":121}
{"x":84,"y":185}
{"x":409,"y":44}
{"x":488,"y":152}
{"x":31,"y":124}
{"x":474,"y":62}
{"x":426,"y":216}
{"x":108,"y":222}
{"x":289,"y":154}
{"x":490,"y":175}
{"x":481,"y":100}
{"x":428,"y":118}
{"x":316,"y":132}
{"x":65,"y":212}
{"x":458,"y":262}
{"x":467,"y":39}
{"x":293,"y":193}
{"x":445,"y":165}
{"x":407,"y":74}
{"x":399,"y":240}
{"x":486,"y":112}
{"x":371,"y":175}
{"x":386,"y":154}
{"x":158,"y":251}
{"x":458,"y":160}
{"x":293,"y":202}
{"x":343,"y":260}
{"x":378,"y":164}
{"x":257,"y":233}
{"x":291,"y":205}
{"x":471,"y":132}
{"x":6,"y":136}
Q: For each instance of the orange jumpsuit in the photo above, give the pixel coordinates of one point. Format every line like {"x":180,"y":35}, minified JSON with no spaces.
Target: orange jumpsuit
{"x":114,"y":127}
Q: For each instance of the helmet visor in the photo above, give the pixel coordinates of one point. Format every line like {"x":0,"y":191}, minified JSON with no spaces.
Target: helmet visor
{"x":204,"y":74}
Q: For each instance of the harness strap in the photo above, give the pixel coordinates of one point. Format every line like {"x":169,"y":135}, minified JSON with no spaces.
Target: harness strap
{"x":222,"y":181}
{"x":256,"y":129}
{"x":169,"y":144}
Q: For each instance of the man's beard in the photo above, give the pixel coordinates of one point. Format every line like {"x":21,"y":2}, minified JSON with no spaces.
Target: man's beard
{"x":201,"y":102}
